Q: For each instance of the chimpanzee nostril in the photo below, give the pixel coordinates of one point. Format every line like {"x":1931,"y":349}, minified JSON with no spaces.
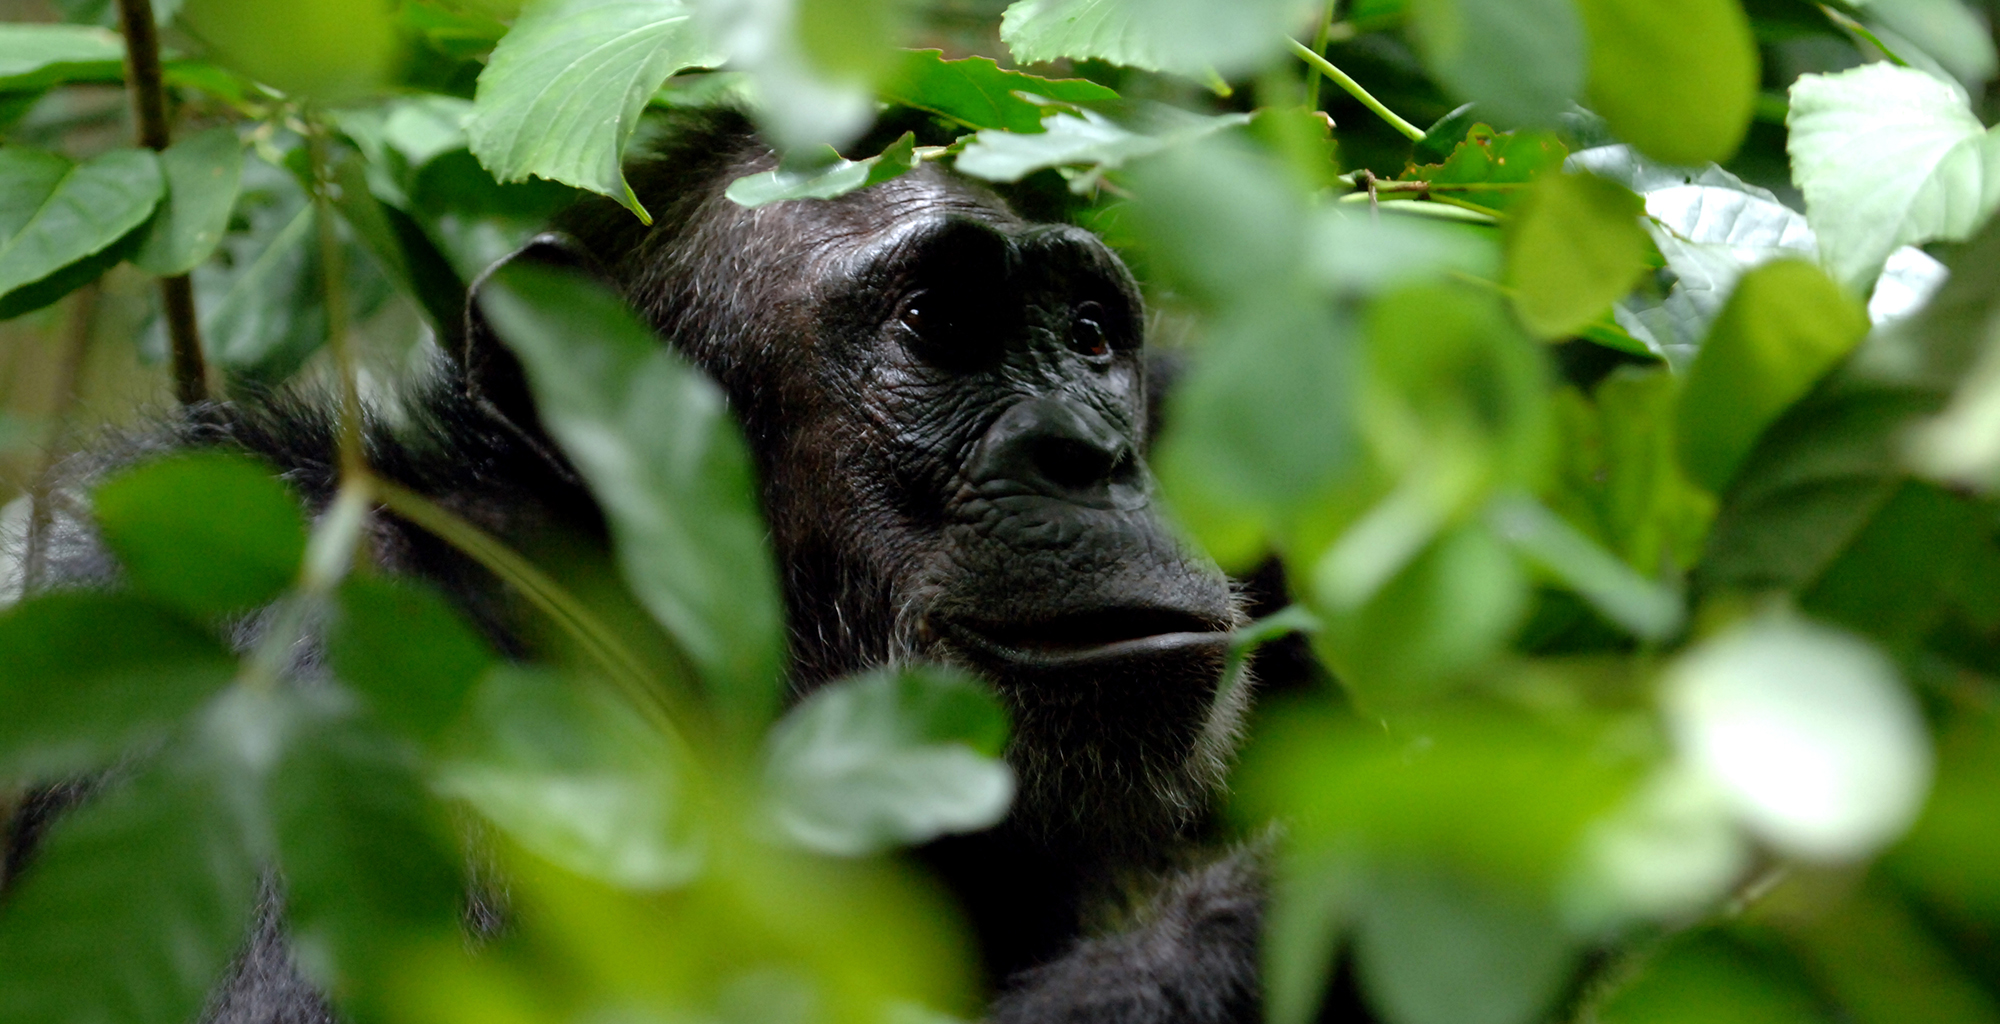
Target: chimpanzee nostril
{"x":1062,"y":449}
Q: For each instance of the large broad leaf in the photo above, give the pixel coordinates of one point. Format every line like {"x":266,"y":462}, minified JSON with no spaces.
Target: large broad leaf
{"x":977,"y":93}
{"x":655,"y":440}
{"x":406,"y":652}
{"x":1783,"y":329}
{"x":575,"y":777}
{"x":1888,"y":156}
{"x":1954,"y":348}
{"x":1808,"y":731}
{"x":367,"y":875}
{"x":1678,"y":80}
{"x":1082,"y":138}
{"x":135,"y":906}
{"x":1574,"y":246}
{"x":891,"y":758}
{"x":811,"y":62}
{"x":33,"y":57}
{"x":54,"y":213}
{"x":202,"y":175}
{"x":209,"y":533}
{"x":85,"y":675}
{"x":329,"y":50}
{"x":1520,"y":61}
{"x":1192,"y":37}
{"x":563,"y":91}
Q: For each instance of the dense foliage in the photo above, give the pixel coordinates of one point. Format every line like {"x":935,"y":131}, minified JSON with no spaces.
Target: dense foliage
{"x":1641,"y":521}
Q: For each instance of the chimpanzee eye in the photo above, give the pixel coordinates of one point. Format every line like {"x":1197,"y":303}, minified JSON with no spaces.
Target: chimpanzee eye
{"x":1086,"y":331}
{"x":913,"y":316}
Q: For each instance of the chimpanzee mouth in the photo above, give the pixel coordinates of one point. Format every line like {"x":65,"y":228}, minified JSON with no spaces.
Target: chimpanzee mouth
{"x":1084,"y":638}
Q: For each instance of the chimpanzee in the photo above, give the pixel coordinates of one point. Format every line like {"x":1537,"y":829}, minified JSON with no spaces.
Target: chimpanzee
{"x":947,"y":406}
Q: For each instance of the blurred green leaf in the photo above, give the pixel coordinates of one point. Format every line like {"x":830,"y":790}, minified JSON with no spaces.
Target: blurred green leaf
{"x":1706,"y":979}
{"x":564,"y":60}
{"x":1649,"y":512}
{"x":1925,"y":558}
{"x":406,"y":652}
{"x":270,"y":314}
{"x":1677,"y":82}
{"x":1647,"y":609}
{"x":825,"y":182}
{"x":327,"y":50}
{"x":54,"y":212}
{"x":891,"y":758}
{"x":366,"y":874}
{"x":85,"y":676}
{"x":1946,"y":30}
{"x":35,"y":56}
{"x":1574,"y":246}
{"x":202,"y":174}
{"x":1084,"y":137}
{"x":575,"y":777}
{"x":210,"y":533}
{"x":656,"y":441}
{"x":977,"y":93}
{"x":1946,"y":858}
{"x":1430,"y":949}
{"x":1784,"y":327}
{"x":1809,"y":732}
{"x":135,"y":906}
{"x":1888,"y":156}
{"x":1521,"y":61}
{"x":1190,"y":37}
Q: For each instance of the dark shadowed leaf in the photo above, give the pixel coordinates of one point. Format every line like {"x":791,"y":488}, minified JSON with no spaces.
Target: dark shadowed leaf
{"x":977,"y":93}
{"x":891,"y":758}
{"x":209,"y":533}
{"x":1676,"y":81}
{"x":407,"y":652}
{"x":85,"y":675}
{"x":1783,"y":328}
{"x":564,"y":89}
{"x":1707,"y":979}
{"x":835,"y":179}
{"x":202,"y":175}
{"x":662,"y":453}
{"x":573,"y":776}
{"x":135,"y":906}
{"x":54,"y":212}
{"x":366,"y":874}
{"x":35,"y":56}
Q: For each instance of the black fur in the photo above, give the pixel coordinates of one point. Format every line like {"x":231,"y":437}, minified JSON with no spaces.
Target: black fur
{"x":970,"y":493}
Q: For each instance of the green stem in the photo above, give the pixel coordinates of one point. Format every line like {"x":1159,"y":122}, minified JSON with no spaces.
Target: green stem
{"x":1354,"y":89}
{"x":646,"y":691}
{"x":1320,"y":40}
{"x":352,"y":461}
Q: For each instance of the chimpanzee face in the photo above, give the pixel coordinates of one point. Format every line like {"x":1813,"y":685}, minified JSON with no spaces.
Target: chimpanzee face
{"x":948,"y":407}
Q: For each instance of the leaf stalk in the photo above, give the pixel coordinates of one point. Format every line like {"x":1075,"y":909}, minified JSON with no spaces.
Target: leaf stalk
{"x":1354,"y":89}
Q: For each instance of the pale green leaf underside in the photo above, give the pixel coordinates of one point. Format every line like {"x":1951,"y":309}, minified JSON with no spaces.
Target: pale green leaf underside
{"x":1886,"y":157}
{"x":545,"y":102}
{"x":1190,"y":37}
{"x":835,"y":179}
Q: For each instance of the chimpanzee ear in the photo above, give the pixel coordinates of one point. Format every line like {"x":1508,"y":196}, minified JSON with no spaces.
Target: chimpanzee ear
{"x":491,"y":375}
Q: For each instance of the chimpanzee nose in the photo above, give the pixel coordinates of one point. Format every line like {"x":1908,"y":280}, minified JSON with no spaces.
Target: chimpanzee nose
{"x":1062,"y":449}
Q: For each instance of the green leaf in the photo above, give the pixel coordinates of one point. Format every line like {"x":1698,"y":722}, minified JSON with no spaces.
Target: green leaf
{"x":208,"y":533}
{"x":85,"y":676}
{"x":1431,"y":949}
{"x":135,"y":906}
{"x":328,"y":50}
{"x":1574,"y":246}
{"x":271,"y":313}
{"x":1082,"y":138}
{"x":655,"y":440}
{"x":1521,"y":61}
{"x":202,"y":175}
{"x":563,"y":91}
{"x":33,"y":57}
{"x":977,"y":93}
{"x":1190,"y":37}
{"x":1806,"y":730}
{"x":1676,"y":81}
{"x":1706,"y":979}
{"x":366,"y":874}
{"x":1649,"y":611}
{"x":574,"y":776}
{"x":1784,"y":327}
{"x":1487,"y":157}
{"x":826,"y":182}
{"x":1945,"y":30}
{"x":54,"y":213}
{"x":406,"y":652}
{"x":891,"y":758}
{"x":1888,"y":156}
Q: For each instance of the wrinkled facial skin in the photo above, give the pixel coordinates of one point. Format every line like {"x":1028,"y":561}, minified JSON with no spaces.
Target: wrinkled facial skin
{"x":948,"y":405}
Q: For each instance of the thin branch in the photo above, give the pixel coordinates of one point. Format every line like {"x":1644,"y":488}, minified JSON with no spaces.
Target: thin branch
{"x":149,"y":112}
{"x":1354,"y":89}
{"x":1320,"y":40}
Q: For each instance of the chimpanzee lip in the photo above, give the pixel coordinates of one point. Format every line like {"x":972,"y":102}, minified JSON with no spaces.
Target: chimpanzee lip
{"x":1084,"y":638}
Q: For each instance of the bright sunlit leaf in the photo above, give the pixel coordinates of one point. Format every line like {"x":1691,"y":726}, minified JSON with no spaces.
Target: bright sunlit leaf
{"x":1678,"y":80}
{"x":329,"y":50}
